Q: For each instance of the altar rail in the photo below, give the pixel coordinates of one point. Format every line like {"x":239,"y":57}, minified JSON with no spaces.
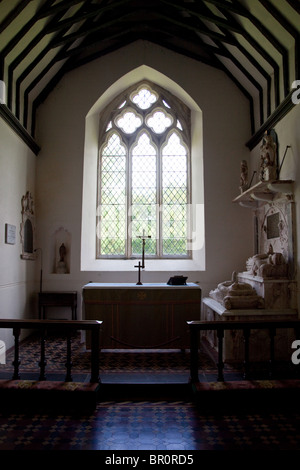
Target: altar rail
{"x":196,"y":327}
{"x":65,"y":328}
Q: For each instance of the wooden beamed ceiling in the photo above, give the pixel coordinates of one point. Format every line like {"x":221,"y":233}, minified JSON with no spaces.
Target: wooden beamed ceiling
{"x":255,"y":42}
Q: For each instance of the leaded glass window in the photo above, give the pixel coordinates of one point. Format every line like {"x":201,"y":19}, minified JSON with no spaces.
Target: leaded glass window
{"x":144,"y":175}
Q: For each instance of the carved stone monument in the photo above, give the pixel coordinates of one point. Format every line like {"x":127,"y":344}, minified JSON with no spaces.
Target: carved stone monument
{"x":267,"y":289}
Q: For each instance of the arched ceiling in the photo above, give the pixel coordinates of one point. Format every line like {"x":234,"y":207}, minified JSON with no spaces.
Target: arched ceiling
{"x":255,"y":42}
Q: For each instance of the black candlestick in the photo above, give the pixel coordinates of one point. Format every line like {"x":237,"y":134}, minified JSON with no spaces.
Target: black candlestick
{"x":142,"y":266}
{"x":143,"y":237}
{"x":139,"y":283}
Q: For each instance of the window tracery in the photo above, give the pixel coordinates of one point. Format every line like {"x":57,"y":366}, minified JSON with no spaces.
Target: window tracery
{"x":144,"y":175}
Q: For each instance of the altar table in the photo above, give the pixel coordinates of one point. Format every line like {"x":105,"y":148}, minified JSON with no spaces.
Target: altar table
{"x":151,"y":315}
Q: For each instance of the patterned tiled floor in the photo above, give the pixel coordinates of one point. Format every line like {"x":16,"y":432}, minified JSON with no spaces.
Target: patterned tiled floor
{"x":143,"y":420}
{"x":161,"y":425}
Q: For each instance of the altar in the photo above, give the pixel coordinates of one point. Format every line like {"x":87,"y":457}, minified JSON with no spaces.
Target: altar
{"x":151,"y":315}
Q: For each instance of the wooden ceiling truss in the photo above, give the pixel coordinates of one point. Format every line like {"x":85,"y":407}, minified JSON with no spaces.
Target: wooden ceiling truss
{"x":255,"y":42}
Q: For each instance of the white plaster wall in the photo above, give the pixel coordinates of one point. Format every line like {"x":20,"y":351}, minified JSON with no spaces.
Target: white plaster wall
{"x":61,"y":133}
{"x":17,"y":276}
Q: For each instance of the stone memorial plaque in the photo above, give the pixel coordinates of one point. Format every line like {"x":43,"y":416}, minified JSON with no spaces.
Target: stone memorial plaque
{"x":273,"y":226}
{"x":10,"y":234}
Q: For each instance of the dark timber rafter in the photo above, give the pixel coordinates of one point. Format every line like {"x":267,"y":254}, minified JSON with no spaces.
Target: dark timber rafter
{"x":294,"y":4}
{"x":267,"y":57}
{"x":276,"y":44}
{"x":21,"y":33}
{"x":78,"y":17}
{"x":224,"y":34}
{"x":23,"y":55}
{"x":288,"y":27}
{"x":196,"y":10}
{"x":14,"y":14}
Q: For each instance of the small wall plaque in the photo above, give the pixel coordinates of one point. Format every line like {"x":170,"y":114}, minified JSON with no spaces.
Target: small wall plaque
{"x":10,"y":234}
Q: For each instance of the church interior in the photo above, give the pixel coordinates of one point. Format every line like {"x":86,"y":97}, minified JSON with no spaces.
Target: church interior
{"x":163,"y":257}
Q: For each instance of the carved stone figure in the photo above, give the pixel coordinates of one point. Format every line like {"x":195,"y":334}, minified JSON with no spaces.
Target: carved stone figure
{"x":233,"y":294}
{"x":268,"y":165}
{"x":62,"y":252}
{"x":61,"y":265}
{"x":27,"y":227}
{"x":268,"y":265}
{"x":244,"y":176}
{"x":27,"y":204}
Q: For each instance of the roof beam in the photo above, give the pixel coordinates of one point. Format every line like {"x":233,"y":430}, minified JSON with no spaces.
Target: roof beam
{"x":90,"y":14}
{"x":245,"y":73}
{"x":16,"y":39}
{"x":199,"y":13}
{"x":87,"y":44}
{"x":187,"y":25}
{"x":63,"y":6}
{"x":122,"y":18}
{"x":275,"y":43}
{"x":33,"y":63}
{"x":227,"y":5}
{"x":81,"y":33}
{"x":205,"y":30}
{"x":13,"y":14}
{"x":27,"y":26}
{"x":261,"y":70}
{"x":39,"y":76}
{"x":288,"y":27}
{"x":294,"y":4}
{"x":255,"y":44}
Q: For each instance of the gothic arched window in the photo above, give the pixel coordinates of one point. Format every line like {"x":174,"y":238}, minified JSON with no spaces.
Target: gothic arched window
{"x":144,"y":175}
